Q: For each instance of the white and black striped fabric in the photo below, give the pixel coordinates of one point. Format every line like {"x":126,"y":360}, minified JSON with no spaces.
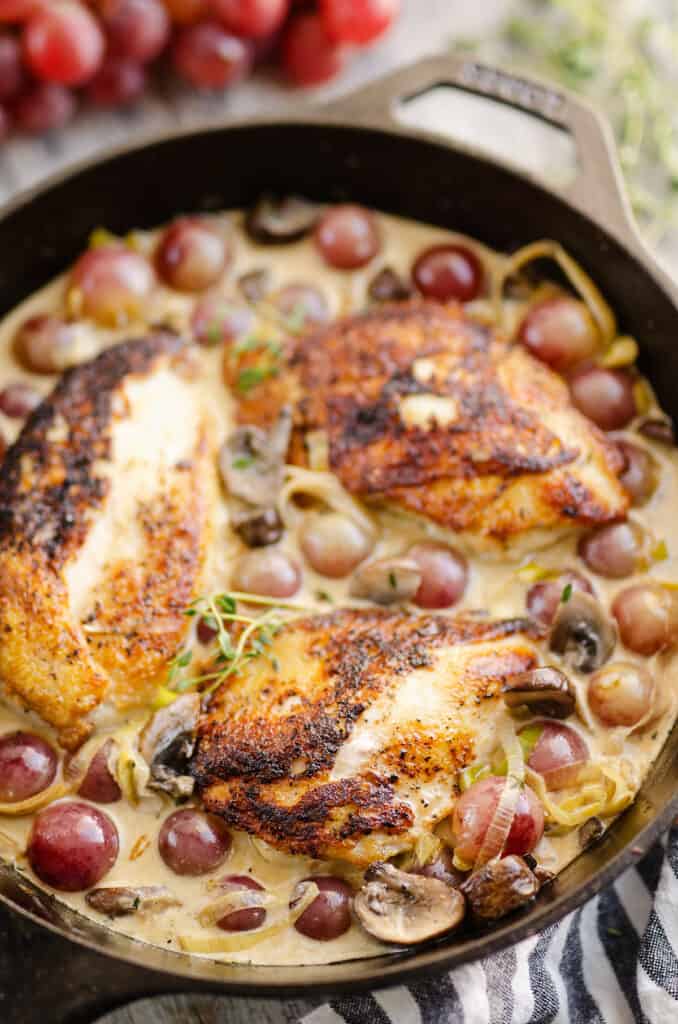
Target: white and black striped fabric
{"x":614,"y":961}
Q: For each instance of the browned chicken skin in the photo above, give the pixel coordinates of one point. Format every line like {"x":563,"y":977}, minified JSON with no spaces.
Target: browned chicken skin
{"x":428,"y":411}
{"x":103,"y":525}
{"x":344,"y":739}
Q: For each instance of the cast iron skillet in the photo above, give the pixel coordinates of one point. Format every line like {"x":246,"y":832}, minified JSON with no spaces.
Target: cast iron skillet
{"x":357,"y":148}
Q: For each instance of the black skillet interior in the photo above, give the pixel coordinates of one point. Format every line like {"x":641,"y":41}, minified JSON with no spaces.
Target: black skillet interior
{"x":404,"y":175}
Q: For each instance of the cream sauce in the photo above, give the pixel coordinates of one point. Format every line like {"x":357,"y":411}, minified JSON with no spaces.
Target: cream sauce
{"x":499,"y":587}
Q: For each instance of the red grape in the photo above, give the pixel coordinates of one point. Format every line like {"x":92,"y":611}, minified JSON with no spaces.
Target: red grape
{"x":72,"y":845}
{"x":44,"y":107}
{"x":605,"y":396}
{"x":17,"y":10}
{"x":444,"y":575}
{"x":5,"y":123}
{"x":347,"y":236}
{"x":248,"y":918}
{"x":309,"y":56}
{"x":558,"y":754}
{"x":185,"y":12}
{"x":639,"y":475}
{"x":28,"y":765}
{"x":207,"y":56}
{"x":473,"y":813}
{"x":62,"y":42}
{"x":251,"y":18}
{"x":99,"y":786}
{"x":45,"y":344}
{"x":18,"y":400}
{"x":216,"y":321}
{"x":191,"y":255}
{"x":358,"y":21}
{"x":621,"y":694}
{"x":268,"y":572}
{"x":193,"y":843}
{"x":333,"y":544}
{"x":117,"y":83}
{"x":329,"y":915}
{"x":302,"y":302}
{"x":138,"y":29}
{"x":560,"y":332}
{"x":112,"y":283}
{"x":614,"y":551}
{"x":647,"y":617}
{"x":544,"y":597}
{"x":12,"y":75}
{"x":446,"y":272}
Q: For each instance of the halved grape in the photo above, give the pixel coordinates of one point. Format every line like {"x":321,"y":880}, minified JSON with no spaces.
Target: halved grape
{"x":474,"y":811}
{"x":444,"y":575}
{"x":614,"y":551}
{"x":72,"y":845}
{"x":45,"y":344}
{"x":216,"y":321}
{"x":621,"y":694}
{"x":28,"y":765}
{"x":647,"y":617}
{"x":18,"y":400}
{"x":558,"y":754}
{"x":605,"y":396}
{"x":560,"y":332}
{"x":112,"y":283}
{"x":333,"y":544}
{"x":543,"y":598}
{"x":347,"y":236}
{"x":99,"y":785}
{"x":193,"y":843}
{"x":446,"y":272}
{"x":191,"y":255}
{"x":329,"y":915}
{"x":268,"y":572}
{"x":250,"y":917}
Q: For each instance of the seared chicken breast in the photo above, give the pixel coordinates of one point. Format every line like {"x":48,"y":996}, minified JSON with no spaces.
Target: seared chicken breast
{"x":425,"y":410}
{"x":104,"y":504}
{"x":344,"y":739}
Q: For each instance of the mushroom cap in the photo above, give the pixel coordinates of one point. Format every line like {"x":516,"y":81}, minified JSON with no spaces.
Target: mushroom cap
{"x":499,"y":887}
{"x":275,"y":221}
{"x":582,"y":633}
{"x":546,"y":691}
{"x":398,"y":907}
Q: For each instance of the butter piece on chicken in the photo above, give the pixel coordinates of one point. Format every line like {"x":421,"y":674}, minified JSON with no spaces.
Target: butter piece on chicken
{"x":345,"y":737}
{"x":104,"y":503}
{"x":429,"y":411}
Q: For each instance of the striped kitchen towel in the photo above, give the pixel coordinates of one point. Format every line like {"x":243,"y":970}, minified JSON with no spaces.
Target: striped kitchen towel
{"x":613,"y":961}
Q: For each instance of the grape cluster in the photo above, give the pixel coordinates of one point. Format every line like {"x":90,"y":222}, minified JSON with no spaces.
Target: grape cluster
{"x":53,"y":53}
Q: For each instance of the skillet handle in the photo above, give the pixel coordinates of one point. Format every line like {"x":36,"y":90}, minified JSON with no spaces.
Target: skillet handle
{"x":597,"y":191}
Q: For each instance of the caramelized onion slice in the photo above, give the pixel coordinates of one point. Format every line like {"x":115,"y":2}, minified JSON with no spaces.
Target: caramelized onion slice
{"x":505,"y":811}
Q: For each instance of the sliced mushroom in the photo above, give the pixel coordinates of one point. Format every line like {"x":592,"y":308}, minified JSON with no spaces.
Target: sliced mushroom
{"x":582,"y":634}
{"x":398,"y":907}
{"x":251,"y":463}
{"x":658,"y":430}
{"x":121,"y":901}
{"x":388,"y":286}
{"x":386,"y":580}
{"x":255,"y":284}
{"x":499,"y":887}
{"x":166,"y":744}
{"x":274,"y":221}
{"x":545,"y":691}
{"x":590,"y":832}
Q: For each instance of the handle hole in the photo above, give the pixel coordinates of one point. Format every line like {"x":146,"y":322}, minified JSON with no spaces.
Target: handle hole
{"x":517,"y":137}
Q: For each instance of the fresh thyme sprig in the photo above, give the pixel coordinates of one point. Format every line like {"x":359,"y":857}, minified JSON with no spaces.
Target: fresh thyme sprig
{"x":257,"y":635}
{"x":623,"y":58}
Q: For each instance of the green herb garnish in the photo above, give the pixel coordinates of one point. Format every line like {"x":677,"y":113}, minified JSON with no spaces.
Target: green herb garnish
{"x":566,"y":594}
